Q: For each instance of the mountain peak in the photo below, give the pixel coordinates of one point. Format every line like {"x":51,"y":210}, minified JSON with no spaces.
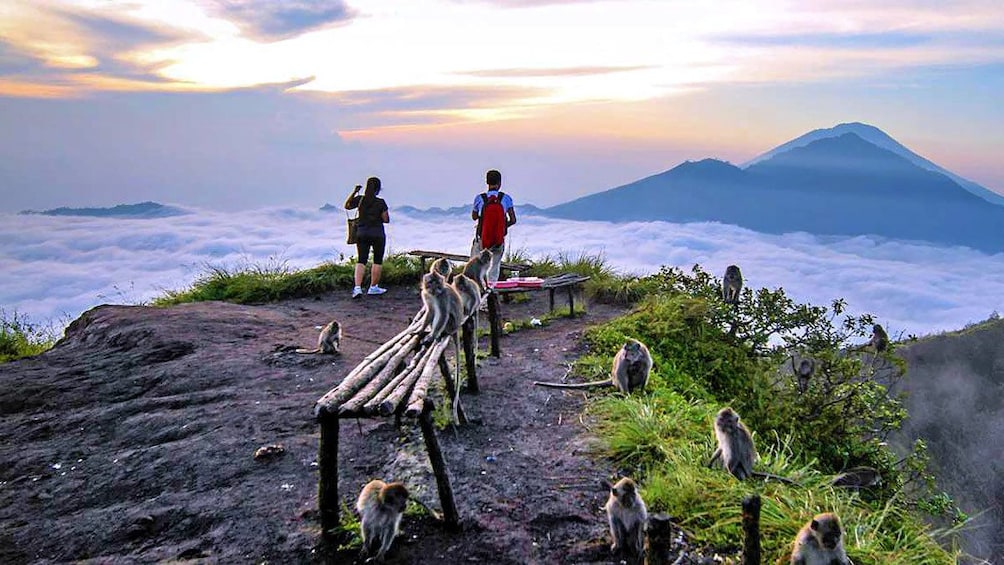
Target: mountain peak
{"x":880,"y":139}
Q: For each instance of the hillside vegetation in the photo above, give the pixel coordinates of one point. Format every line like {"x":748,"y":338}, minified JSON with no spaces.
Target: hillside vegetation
{"x":708,"y":356}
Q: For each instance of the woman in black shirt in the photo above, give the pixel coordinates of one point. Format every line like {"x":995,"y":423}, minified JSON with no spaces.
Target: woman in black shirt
{"x":372,"y":216}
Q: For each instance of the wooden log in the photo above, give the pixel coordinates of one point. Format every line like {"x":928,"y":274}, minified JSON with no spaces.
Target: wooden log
{"x":372,"y":406}
{"x":450,"y":515}
{"x":388,"y":406}
{"x":418,"y":394}
{"x":376,"y":384}
{"x":571,"y":302}
{"x":751,"y":530}
{"x":327,"y":485}
{"x":361,"y":375}
{"x":469,"y":333}
{"x":495,"y":322}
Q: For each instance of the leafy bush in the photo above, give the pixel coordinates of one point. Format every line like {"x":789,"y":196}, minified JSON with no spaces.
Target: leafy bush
{"x":21,"y":338}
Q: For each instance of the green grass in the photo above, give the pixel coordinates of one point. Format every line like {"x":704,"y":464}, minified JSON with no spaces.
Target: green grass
{"x":21,"y":338}
{"x":707,"y":356}
{"x":255,"y":284}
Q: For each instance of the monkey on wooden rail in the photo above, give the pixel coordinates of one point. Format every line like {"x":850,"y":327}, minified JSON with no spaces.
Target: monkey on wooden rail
{"x":380,"y":508}
{"x":329,"y":341}
{"x":478,"y":268}
{"x":443,"y":316}
{"x":629,"y":372}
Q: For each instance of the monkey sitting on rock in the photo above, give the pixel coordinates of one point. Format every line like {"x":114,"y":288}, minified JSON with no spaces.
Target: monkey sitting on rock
{"x":329,"y":341}
{"x":629,"y":372}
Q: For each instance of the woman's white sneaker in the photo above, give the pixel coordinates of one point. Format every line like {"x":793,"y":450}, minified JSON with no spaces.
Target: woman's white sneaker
{"x":376,"y":290}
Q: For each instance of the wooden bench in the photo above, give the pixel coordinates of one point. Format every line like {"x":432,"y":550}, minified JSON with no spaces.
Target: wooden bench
{"x":423,"y":255}
{"x":393,"y":380}
{"x":568,"y":281}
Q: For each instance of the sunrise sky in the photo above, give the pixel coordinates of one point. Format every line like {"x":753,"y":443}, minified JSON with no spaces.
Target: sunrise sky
{"x":233,"y":104}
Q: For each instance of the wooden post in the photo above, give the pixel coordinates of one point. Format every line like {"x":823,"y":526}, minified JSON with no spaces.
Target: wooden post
{"x":450,"y":514}
{"x":751,"y":529}
{"x":470,"y":333}
{"x":571,"y":302}
{"x":327,"y":485}
{"x":496,"y":323}
{"x":422,"y":260}
{"x":451,"y":388}
{"x":550,"y":298}
{"x":660,"y":540}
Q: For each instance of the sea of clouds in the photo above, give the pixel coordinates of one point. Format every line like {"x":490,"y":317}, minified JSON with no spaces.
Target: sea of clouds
{"x":54,"y":268}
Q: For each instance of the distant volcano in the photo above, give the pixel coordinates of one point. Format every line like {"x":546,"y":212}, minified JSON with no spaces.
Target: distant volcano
{"x":851,"y":180}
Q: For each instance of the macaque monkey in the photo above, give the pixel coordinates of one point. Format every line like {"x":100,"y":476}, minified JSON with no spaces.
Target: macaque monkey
{"x":628,"y":518}
{"x":442,"y":307}
{"x":629,"y":372}
{"x":443,"y":267}
{"x":735,"y":448}
{"x":735,"y":444}
{"x":444,"y":317}
{"x":329,"y":341}
{"x":478,"y":268}
{"x":857,"y":478}
{"x":820,"y":542}
{"x":380,"y":507}
{"x":803,"y":372}
{"x":732,"y":284}
{"x":880,"y":339}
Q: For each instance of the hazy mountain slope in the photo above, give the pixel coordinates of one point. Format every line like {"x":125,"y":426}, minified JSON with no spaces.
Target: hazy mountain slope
{"x":833,"y":186}
{"x":879,"y":138}
{"x":141,"y":210}
{"x":955,"y":389}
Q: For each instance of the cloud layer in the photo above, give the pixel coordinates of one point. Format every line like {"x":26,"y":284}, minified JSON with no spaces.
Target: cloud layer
{"x":54,"y":268}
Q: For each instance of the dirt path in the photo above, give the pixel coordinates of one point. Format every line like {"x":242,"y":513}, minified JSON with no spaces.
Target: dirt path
{"x":132,"y":440}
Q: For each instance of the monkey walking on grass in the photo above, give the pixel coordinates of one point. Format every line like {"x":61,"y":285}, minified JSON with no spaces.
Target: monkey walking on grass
{"x":629,"y":372}
{"x":735,"y":448}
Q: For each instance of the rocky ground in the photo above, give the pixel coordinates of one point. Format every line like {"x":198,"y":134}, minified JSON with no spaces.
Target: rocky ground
{"x":133,"y":440}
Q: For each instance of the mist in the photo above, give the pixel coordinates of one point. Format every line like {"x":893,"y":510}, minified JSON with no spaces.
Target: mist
{"x":54,"y":268}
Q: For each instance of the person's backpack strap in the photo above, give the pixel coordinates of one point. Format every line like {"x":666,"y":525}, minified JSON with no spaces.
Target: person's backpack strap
{"x":481,"y":215}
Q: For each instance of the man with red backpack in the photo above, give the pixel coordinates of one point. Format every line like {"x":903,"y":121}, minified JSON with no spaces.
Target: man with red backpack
{"x":494,"y":212}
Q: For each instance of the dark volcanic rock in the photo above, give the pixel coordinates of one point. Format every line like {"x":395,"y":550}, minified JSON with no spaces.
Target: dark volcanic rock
{"x":132,"y":440}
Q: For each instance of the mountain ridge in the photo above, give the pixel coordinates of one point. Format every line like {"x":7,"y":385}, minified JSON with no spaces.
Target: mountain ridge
{"x":842,"y":186}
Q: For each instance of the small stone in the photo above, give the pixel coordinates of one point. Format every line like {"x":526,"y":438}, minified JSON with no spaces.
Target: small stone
{"x":269,"y":452}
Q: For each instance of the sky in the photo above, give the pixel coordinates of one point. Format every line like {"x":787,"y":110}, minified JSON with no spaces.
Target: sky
{"x":241,"y":104}
{"x":52,"y":268}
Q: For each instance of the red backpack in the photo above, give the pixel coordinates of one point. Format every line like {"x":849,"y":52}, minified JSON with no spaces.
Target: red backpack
{"x":492,"y":225}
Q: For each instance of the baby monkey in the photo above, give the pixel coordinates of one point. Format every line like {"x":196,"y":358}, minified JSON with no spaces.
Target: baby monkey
{"x":628,"y":518}
{"x":820,"y":542}
{"x":329,"y":341}
{"x":380,"y":507}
